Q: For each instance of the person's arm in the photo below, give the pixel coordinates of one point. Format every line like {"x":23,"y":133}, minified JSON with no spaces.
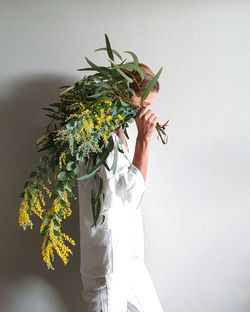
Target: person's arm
{"x":140,"y":160}
{"x":146,"y":122}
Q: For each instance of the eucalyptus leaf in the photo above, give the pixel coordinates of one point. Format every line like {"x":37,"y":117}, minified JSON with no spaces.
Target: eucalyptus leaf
{"x":134,"y":57}
{"x":108,"y":46}
{"x":114,"y":166}
{"x":62,"y":176}
{"x":124,"y":75}
{"x":114,"y":52}
{"x":70,"y":165}
{"x":147,"y":90}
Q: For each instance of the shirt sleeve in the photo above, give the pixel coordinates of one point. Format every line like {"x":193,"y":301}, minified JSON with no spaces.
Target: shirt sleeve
{"x":126,"y":184}
{"x":134,"y":185}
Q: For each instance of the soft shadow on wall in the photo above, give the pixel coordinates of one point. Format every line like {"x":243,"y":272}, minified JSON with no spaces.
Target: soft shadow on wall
{"x":26,"y":284}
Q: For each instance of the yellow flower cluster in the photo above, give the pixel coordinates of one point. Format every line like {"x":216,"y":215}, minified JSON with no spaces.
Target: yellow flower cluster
{"x":38,"y":202}
{"x":56,"y":241}
{"x":72,"y":116}
{"x":23,"y":218}
{"x":105,"y":118}
{"x":36,"y":207}
{"x":70,"y":240}
{"x":88,"y":125}
{"x":62,"y":160}
{"x":47,"y":190}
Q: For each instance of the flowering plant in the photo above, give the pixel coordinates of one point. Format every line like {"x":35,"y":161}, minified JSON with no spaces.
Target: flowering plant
{"x":88,"y":112}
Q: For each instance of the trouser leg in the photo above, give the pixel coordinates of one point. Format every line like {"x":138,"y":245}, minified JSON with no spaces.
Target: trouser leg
{"x":142,"y":291}
{"x":110,"y":297}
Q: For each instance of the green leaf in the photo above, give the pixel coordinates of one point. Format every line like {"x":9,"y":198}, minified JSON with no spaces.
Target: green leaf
{"x":63,"y":87}
{"x":134,"y":57}
{"x":123,"y":103}
{"x":62,"y":203}
{"x":56,"y":222}
{"x":106,"y":166}
{"x":53,"y":116}
{"x":140,"y":71}
{"x":53,"y":196}
{"x":22,"y":194}
{"x":76,"y":170}
{"x":108,"y":46}
{"x":58,"y":218}
{"x":48,"y":109}
{"x":68,"y":187}
{"x":60,"y":193}
{"x":72,"y":182}
{"x":56,"y":233}
{"x":146,"y":91}
{"x":100,"y":189}
{"x":132,"y":91}
{"x":124,"y":75}
{"x":128,"y":67}
{"x":44,"y":159}
{"x":47,"y":220}
{"x":126,"y":133}
{"x":86,"y":68}
{"x":114,"y":166}
{"x":96,"y":95}
{"x":102,"y":70}
{"x":100,"y":162}
{"x":45,"y":147}
{"x":61,"y":212}
{"x":62,"y":176}
{"x":70,"y":165}
{"x":44,"y":231}
{"x":120,"y":150}
{"x":114,"y":52}
{"x":55,"y":104}
{"x":103,"y":218}
{"x":98,"y":209}
{"x":32,"y":174}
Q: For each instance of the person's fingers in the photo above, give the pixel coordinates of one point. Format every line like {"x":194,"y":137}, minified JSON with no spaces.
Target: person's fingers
{"x":150,"y":116}
{"x":142,"y":112}
{"x":153,"y":119}
{"x":147,"y":114}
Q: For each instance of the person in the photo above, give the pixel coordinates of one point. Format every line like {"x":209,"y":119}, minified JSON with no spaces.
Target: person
{"x":113,"y":273}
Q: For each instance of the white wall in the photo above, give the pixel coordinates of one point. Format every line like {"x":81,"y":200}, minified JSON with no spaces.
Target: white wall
{"x":196,"y":205}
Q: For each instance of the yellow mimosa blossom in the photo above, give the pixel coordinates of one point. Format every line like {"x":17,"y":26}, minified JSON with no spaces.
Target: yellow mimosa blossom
{"x":70,"y":240}
{"x":47,"y":190}
{"x":88,"y":125}
{"x":72,"y":116}
{"x":23,"y":218}
{"x":36,"y":207}
{"x":109,"y":118}
{"x":56,"y":241}
{"x":41,"y":197}
{"x":119,"y":116}
{"x":62,"y":159}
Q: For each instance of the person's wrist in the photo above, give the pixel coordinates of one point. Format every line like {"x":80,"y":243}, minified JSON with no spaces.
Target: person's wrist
{"x":142,"y":139}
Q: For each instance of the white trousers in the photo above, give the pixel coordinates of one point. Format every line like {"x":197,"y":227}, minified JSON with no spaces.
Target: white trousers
{"x":129,"y":291}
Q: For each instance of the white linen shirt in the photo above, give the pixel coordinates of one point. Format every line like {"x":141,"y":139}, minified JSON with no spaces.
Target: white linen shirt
{"x":110,"y":246}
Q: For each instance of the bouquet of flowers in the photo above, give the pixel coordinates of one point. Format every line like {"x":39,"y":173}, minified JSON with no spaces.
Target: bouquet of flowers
{"x":80,"y":133}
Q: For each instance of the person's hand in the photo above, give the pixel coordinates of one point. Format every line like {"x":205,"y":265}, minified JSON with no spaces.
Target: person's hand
{"x":145,"y":121}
